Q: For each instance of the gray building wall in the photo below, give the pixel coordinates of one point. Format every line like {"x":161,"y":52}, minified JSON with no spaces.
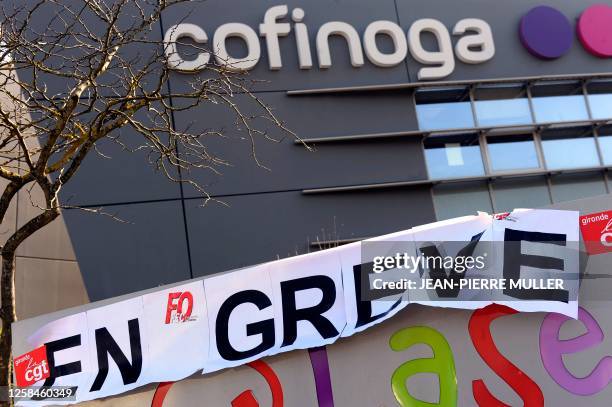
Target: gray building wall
{"x":47,"y":275}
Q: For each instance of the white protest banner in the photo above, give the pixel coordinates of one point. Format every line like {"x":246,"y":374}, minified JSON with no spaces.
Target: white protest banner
{"x":118,"y":348}
{"x":176,"y":324}
{"x":539,"y":245}
{"x":67,"y":355}
{"x":241,"y":317}
{"x":443,"y":247}
{"x":361,"y":313}
{"x":309,"y":291}
{"x":307,"y":301}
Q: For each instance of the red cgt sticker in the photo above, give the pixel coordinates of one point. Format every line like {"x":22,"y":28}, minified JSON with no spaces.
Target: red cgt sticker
{"x":31,"y":367}
{"x":596,"y":231}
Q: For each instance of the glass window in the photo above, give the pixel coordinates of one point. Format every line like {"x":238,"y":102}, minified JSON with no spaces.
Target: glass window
{"x":559,"y":101}
{"x":516,"y":152}
{"x":560,"y":108}
{"x":502,"y":105}
{"x":514,"y":193}
{"x":439,"y":116}
{"x":506,"y":112}
{"x":569,"y":151}
{"x":601,"y":106}
{"x":600,"y":99}
{"x":459,"y":199}
{"x":453,"y":156}
{"x":567,"y":187}
{"x":605,"y":146}
{"x":448,"y":108}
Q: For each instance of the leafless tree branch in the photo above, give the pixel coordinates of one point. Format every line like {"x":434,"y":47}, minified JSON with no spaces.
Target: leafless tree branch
{"x":114,"y":77}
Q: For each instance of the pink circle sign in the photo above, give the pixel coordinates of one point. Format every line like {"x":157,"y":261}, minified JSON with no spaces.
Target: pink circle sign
{"x":595,"y":30}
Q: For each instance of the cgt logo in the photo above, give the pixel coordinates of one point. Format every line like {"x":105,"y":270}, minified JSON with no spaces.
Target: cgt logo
{"x":179,"y":308}
{"x":547,"y":33}
{"x":31,"y":367}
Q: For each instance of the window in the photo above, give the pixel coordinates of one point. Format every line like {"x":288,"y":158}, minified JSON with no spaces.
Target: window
{"x":559,"y":102}
{"x":601,"y":106}
{"x":567,"y":187}
{"x":605,"y":145}
{"x":444,"y":109}
{"x":505,"y":112}
{"x":514,"y":193}
{"x":600,"y":99}
{"x":541,"y":137}
{"x":559,"y":108}
{"x":502,"y":106}
{"x":515,"y":152}
{"x":459,"y":199}
{"x":453,"y":156}
{"x":569,"y":148}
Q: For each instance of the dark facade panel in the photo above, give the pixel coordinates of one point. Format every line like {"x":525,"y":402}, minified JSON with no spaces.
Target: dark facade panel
{"x":257,"y":228}
{"x":146,"y":250}
{"x":50,"y":18}
{"x":511,"y":58}
{"x":292,"y":166}
{"x":120,"y":170}
{"x":359,"y":13}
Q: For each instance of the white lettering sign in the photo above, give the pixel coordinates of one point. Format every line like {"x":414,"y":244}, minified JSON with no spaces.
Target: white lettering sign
{"x":474,"y":44}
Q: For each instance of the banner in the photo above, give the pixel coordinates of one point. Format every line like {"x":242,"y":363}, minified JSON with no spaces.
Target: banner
{"x":464,"y":236}
{"x":67,"y":354}
{"x":538,"y":245}
{"x":176,"y":322}
{"x":241,"y":322}
{"x":309,"y":287}
{"x":527,"y":260}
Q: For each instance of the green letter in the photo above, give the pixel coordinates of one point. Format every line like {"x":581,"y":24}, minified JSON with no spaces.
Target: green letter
{"x":442,"y":364}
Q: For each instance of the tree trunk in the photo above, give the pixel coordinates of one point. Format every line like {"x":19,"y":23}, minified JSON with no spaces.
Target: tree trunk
{"x":8,"y":315}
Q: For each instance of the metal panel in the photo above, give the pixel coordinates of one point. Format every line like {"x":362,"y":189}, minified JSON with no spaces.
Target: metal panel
{"x":52,"y":18}
{"x":256,"y":228}
{"x":147,"y":249}
{"x":118,"y":172}
{"x":291,"y":166}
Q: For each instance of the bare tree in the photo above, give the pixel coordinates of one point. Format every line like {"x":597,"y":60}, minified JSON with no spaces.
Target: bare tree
{"x":114,"y":75}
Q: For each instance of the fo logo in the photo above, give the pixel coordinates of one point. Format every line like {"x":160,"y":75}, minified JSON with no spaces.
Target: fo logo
{"x":547,"y":33}
{"x":31,"y":367}
{"x":179,"y":308}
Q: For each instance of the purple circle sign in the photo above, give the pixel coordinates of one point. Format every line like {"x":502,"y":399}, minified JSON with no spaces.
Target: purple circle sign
{"x":546,"y":32}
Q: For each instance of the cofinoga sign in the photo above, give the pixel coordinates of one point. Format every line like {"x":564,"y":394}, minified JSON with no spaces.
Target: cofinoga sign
{"x":474,"y":46}
{"x":544,"y":31}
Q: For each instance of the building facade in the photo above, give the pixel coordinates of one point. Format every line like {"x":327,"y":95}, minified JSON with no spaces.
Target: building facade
{"x":474,"y":107}
{"x":413,"y":111}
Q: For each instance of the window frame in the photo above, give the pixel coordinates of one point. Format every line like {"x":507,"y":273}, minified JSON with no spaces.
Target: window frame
{"x":535,"y":129}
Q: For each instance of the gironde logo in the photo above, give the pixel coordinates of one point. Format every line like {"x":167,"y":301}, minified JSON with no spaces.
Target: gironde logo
{"x":597,"y":232}
{"x":31,"y":367}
